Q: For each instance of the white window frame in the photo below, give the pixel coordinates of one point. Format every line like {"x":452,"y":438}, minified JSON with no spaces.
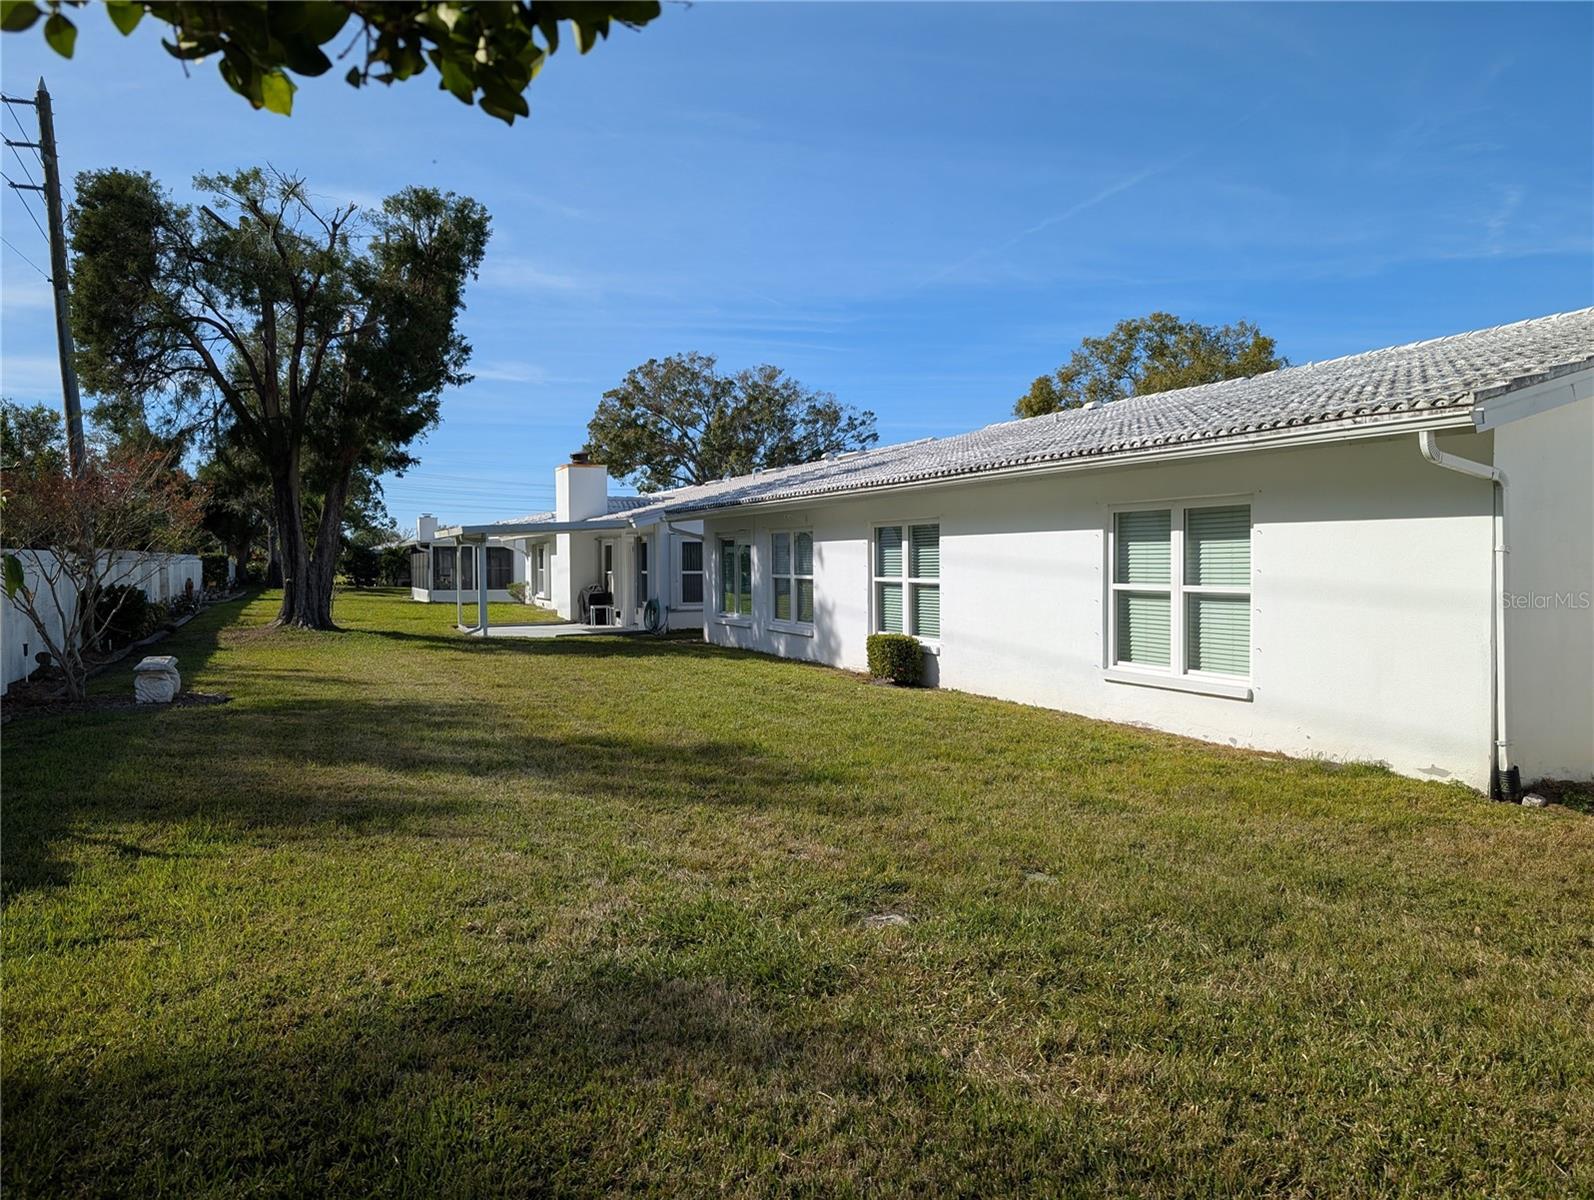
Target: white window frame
{"x":1176,"y":676}
{"x":909,"y":582}
{"x":793,"y":625}
{"x":740,"y":540}
{"x":539,"y":570}
{"x":682,"y":571}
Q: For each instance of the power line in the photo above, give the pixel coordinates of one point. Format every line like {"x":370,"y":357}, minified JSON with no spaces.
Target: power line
{"x":25,"y":258}
{"x":16,"y":187}
{"x":22,"y":162}
{"x":11,"y":107}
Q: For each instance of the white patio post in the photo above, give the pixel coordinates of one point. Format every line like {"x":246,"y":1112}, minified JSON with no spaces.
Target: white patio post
{"x":481,"y":586}
{"x":459,"y":582}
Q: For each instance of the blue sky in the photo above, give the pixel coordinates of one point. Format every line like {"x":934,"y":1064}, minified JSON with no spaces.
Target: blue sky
{"x":918,"y":207}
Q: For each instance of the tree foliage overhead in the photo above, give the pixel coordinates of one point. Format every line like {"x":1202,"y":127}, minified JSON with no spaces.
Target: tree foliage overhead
{"x":1155,"y":353}
{"x":680,"y":420}
{"x":320,"y":340}
{"x":487,"y":52}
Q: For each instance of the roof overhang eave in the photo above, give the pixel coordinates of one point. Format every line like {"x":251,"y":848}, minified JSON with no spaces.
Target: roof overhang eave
{"x":1458,"y":416}
{"x":531,"y":529}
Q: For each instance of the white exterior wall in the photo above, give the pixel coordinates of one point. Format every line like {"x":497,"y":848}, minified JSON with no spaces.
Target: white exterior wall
{"x":573,"y":564}
{"x":162,"y":577}
{"x":1549,"y":618}
{"x":1371,"y":597}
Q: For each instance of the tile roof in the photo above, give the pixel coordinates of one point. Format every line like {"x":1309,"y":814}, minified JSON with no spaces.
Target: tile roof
{"x":617,"y":504}
{"x":1443,"y":373}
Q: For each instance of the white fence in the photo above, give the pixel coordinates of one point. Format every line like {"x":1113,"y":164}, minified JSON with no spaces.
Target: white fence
{"x":161,"y":576}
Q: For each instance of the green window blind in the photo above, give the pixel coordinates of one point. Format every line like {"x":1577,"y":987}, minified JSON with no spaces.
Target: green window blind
{"x":782,"y":598}
{"x":803,"y":547}
{"x":782,"y":546}
{"x":890,"y":607}
{"x":1144,"y":636}
{"x":924,"y":551}
{"x":1217,"y":546}
{"x":727,"y":576}
{"x":745,"y":595}
{"x":927,"y":610}
{"x":805,"y":600}
{"x":1218,"y":633}
{"x":888,"y":550}
{"x":1142,"y":546}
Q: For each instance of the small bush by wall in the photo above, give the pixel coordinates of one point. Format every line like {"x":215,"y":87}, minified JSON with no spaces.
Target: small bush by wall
{"x":517,"y":592}
{"x":897,"y":657}
{"x":125,"y":613}
{"x":213,"y":570}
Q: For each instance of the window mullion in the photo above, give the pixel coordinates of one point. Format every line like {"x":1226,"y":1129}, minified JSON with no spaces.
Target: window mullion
{"x":1178,"y":658}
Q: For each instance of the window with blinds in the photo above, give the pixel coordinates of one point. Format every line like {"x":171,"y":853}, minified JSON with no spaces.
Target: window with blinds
{"x":691,"y":572}
{"x":792,"y":576}
{"x":907,"y":575}
{"x":736,"y":577}
{"x":539,"y":569}
{"x":1181,"y":584}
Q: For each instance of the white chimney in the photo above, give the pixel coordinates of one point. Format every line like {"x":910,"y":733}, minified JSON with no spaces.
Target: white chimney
{"x":581,"y":489}
{"x":425,"y":527}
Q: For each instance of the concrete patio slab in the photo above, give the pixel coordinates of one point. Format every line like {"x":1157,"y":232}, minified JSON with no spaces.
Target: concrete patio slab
{"x":550,"y":631}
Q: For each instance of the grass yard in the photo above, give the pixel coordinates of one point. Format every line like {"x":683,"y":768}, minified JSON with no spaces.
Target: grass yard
{"x":422,"y":915}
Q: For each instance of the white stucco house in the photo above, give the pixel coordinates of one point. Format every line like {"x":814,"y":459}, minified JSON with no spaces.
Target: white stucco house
{"x":608,"y":561}
{"x":1387,"y":557}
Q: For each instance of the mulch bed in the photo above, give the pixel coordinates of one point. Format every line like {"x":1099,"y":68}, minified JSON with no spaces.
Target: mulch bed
{"x":45,"y":700}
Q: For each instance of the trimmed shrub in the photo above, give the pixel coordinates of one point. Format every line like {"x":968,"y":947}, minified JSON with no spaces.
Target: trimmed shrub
{"x":124,"y":614}
{"x":361,"y":565}
{"x":394,"y":570}
{"x":517,"y":592}
{"x":213,"y":570}
{"x":897,"y":657}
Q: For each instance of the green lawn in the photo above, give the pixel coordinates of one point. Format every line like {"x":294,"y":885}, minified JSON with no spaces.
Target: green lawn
{"x":419,"y":914}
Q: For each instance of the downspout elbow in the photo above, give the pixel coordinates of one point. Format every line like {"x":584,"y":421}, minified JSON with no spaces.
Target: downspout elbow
{"x":1428,"y":444}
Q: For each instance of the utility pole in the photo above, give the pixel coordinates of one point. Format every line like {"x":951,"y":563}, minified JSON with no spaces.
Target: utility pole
{"x":71,"y":402}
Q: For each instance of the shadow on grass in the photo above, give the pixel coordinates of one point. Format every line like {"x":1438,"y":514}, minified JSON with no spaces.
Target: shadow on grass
{"x":305,"y":767}
{"x":583,"y":1085}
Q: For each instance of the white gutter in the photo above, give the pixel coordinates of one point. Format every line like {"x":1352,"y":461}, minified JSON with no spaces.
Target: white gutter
{"x":1502,"y":783}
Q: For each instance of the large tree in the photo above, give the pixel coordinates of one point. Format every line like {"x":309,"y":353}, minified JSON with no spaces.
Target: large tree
{"x":1155,"y":353}
{"x":486,"y":52}
{"x":680,"y":420}
{"x":324,"y":337}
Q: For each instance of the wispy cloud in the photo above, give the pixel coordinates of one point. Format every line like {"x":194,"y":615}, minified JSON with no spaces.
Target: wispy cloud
{"x":24,"y":295}
{"x":514,"y":371}
{"x":523,"y":275}
{"x":1099,"y":197}
{"x":508,"y":372}
{"x":30,"y":377}
{"x":1498,"y":221}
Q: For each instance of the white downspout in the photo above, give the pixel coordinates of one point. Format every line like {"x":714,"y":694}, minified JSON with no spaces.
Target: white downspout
{"x":1500,"y":759}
